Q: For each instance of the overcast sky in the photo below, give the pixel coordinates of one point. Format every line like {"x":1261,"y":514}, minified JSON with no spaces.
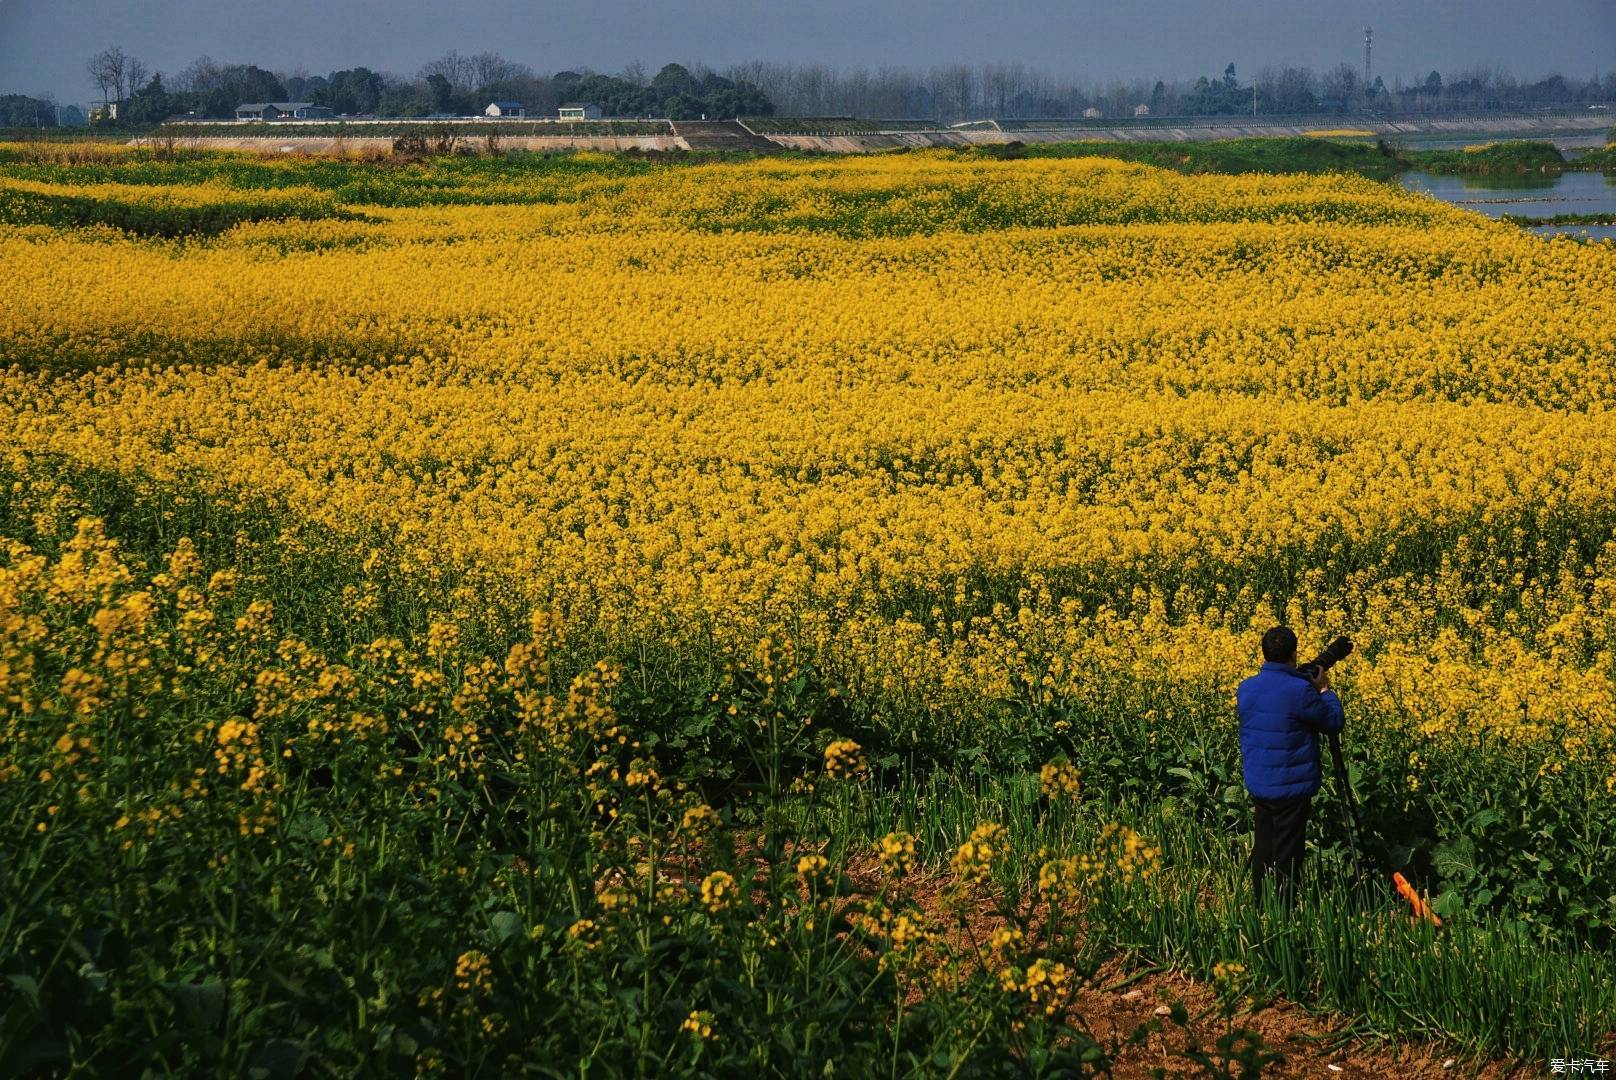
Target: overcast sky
{"x":44,"y":43}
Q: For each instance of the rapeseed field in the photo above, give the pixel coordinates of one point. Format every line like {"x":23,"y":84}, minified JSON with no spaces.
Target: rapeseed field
{"x":566,"y":614}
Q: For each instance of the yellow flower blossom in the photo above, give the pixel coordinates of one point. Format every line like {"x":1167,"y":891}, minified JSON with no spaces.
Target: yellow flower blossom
{"x":701,"y":1023}
{"x":474,"y":972}
{"x":896,"y":850}
{"x":844,"y":760}
{"x":1059,"y":780}
{"x":977,"y":858}
{"x":813,"y":870}
{"x":718,"y":891}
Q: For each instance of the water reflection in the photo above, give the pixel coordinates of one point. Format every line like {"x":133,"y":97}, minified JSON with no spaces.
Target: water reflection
{"x":1525,"y":196}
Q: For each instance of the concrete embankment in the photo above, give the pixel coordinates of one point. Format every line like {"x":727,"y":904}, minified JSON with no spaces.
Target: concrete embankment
{"x":866,"y":142}
{"x":1565,"y":130}
{"x":1576,"y":129}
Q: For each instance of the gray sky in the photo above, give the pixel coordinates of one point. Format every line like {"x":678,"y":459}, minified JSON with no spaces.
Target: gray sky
{"x":44,"y":43}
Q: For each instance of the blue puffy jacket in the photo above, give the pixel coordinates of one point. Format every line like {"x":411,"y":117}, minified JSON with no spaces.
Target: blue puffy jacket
{"x":1281,"y":718}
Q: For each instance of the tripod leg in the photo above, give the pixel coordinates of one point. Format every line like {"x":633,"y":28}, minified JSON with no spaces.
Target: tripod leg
{"x":1354,"y":820}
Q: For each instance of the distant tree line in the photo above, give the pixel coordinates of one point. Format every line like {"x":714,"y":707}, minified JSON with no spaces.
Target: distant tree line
{"x":453,"y":84}
{"x":456,"y":84}
{"x":20,"y":111}
{"x":961,"y":92}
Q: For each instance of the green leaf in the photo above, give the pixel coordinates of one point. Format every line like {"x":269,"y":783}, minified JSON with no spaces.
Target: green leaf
{"x":1482,"y":818}
{"x":87,"y":945}
{"x":27,"y":986}
{"x":200,"y":1006}
{"x":1455,"y":860}
{"x":505,"y":925}
{"x":306,"y":827}
{"x":280,"y":1059}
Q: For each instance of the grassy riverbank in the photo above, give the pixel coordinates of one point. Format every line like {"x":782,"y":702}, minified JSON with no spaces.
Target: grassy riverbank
{"x":1601,"y":158}
{"x":1492,"y":159}
{"x":1297,"y":154}
{"x":1378,"y":158}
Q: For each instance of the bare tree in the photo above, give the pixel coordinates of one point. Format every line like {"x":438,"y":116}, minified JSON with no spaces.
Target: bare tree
{"x":296,"y":81}
{"x":891,"y":94}
{"x":996,"y":87}
{"x":812,"y":86}
{"x":1289,"y":89}
{"x":199,"y":75}
{"x":109,"y":69}
{"x":135,"y":76}
{"x":1341,"y":86}
{"x":487,"y":68}
{"x":453,"y":67}
{"x":954,"y":87}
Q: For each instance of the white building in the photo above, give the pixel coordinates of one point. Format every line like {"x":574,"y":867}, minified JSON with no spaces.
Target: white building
{"x":507,"y":109}
{"x":580,"y":110}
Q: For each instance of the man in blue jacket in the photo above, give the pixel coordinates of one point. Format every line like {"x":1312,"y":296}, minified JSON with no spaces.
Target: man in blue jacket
{"x":1282,"y":715}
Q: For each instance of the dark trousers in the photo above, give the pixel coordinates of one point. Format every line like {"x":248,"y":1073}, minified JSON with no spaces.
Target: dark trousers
{"x":1281,"y":842}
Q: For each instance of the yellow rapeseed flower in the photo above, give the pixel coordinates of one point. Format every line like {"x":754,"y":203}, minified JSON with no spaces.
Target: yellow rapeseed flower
{"x":718,"y":891}
{"x":701,"y":1023}
{"x":844,"y":760}
{"x":896,"y":850}
{"x":976,"y":859}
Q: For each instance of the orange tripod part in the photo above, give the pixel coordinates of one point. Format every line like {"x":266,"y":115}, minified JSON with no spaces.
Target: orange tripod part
{"x":1422,"y":910}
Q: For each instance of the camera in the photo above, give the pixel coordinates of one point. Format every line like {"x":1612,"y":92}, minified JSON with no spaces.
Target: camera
{"x":1333,"y":653}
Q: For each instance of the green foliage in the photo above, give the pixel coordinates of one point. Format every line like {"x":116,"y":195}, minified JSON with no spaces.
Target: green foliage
{"x":150,"y":104}
{"x":1299,"y":154}
{"x":353,"y":929}
{"x":1560,"y":219}
{"x":349,"y":183}
{"x":1603,"y":158}
{"x":981,"y":203}
{"x":386,"y":895}
{"x":1497,"y":159}
{"x":407,"y":899}
{"x":20,"y":111}
{"x":157,"y":217}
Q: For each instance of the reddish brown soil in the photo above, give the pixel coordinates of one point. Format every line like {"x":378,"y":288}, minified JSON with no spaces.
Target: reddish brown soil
{"x":1310,"y":1044}
{"x":1288,"y":1030}
{"x":1304,"y":1039}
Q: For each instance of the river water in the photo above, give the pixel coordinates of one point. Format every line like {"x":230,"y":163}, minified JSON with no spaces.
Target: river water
{"x":1529,"y":196}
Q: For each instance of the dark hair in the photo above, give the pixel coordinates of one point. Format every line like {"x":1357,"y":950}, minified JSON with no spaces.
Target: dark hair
{"x":1279,"y":644}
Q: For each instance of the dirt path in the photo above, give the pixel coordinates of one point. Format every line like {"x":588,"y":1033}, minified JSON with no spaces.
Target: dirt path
{"x":1310,"y":1044}
{"x":1304,"y":1040}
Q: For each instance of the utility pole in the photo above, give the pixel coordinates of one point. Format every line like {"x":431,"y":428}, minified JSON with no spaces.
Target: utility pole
{"x":1368,"y":39}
